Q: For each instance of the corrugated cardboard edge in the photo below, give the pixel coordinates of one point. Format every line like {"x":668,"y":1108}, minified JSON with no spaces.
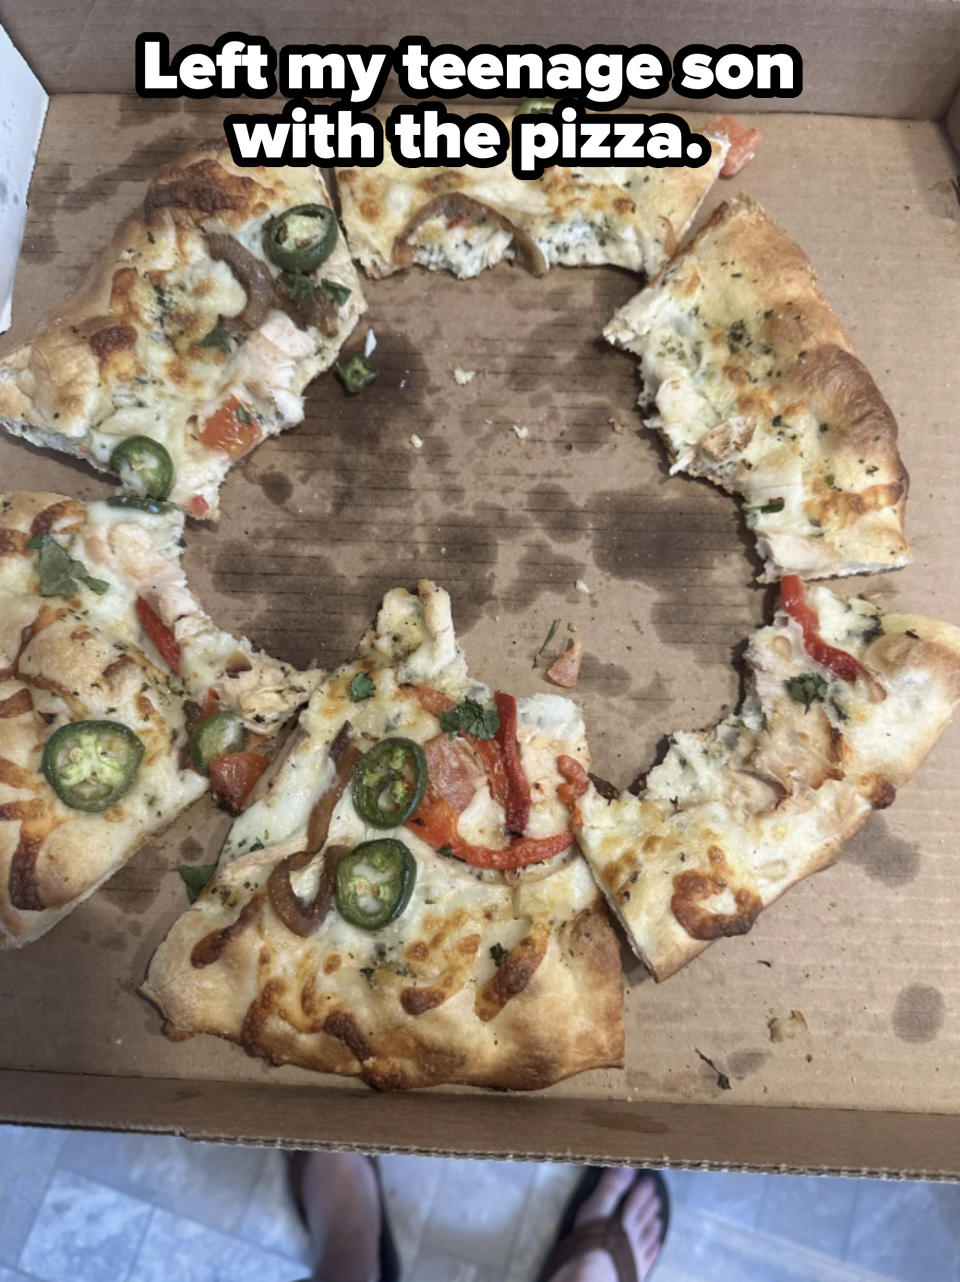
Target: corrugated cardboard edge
{"x":952,"y":121}
{"x":534,"y":1128}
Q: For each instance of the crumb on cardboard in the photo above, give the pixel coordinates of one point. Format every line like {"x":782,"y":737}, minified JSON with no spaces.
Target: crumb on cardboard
{"x":784,"y":1028}
{"x":464,"y":376}
{"x":416,"y":441}
{"x":370,"y":344}
{"x":616,"y":425}
{"x":582,"y":587}
{"x":521,"y":433}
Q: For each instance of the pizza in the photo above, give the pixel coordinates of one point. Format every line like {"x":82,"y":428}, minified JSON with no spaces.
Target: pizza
{"x":120,"y":701}
{"x":844,"y":702}
{"x":753,"y":383}
{"x":467,"y":218}
{"x":406,"y":902}
{"x":195,"y":333}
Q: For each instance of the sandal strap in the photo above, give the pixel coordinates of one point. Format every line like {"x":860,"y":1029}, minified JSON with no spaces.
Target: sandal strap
{"x":597,"y":1235}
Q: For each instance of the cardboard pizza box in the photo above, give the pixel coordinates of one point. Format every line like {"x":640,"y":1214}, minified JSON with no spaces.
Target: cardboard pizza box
{"x":860,"y":170}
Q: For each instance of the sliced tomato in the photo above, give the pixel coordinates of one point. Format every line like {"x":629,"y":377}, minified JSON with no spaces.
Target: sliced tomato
{"x":518,"y":786}
{"x":234,"y":429}
{"x":841,"y":663}
{"x":577,"y":779}
{"x":453,"y":770}
{"x":197,"y":506}
{"x":744,"y":143}
{"x":161,"y":636}
{"x":433,"y":701}
{"x":565,"y":671}
{"x":233,"y":775}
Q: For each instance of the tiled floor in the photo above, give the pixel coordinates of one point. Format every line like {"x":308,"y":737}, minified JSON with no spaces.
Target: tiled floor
{"x":88,"y":1207}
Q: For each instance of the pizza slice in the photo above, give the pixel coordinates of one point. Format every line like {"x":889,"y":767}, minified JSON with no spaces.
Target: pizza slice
{"x":755,"y":386}
{"x":194,"y":335}
{"x":463,"y":219}
{"x":844,"y":702}
{"x":406,"y":902}
{"x":120,"y":701}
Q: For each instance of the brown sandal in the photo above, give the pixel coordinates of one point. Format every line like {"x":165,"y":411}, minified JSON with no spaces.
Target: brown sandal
{"x":607,"y":1234}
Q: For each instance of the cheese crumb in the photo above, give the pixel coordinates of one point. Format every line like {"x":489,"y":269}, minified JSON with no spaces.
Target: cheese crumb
{"x":581,"y":586}
{"x":616,"y":425}
{"x":416,"y":442}
{"x":522,"y":432}
{"x":370,"y":345}
{"x":464,"y":376}
{"x":403,"y":383}
{"x":783,"y":1028}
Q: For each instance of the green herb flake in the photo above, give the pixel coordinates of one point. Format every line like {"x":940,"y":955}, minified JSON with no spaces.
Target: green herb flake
{"x":362,"y":687}
{"x":471,"y":717}
{"x":195,"y":877}
{"x":243,"y":414}
{"x":546,"y":641}
{"x":338,"y":293}
{"x":219,"y":337}
{"x":355,"y":373}
{"x":723,"y":1081}
{"x":299,"y":285}
{"x":59,"y":572}
{"x":445,"y":851}
{"x":807,"y":688}
{"x":775,"y":505}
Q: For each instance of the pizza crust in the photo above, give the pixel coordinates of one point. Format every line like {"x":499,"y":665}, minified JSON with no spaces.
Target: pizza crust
{"x":756,"y":387}
{"x":466,"y":218}
{"x":509,"y":980}
{"x":124,"y":355}
{"x":735,"y":816}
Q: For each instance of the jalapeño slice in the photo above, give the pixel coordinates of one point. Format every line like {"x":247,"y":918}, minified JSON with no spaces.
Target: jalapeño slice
{"x":134,"y":503}
{"x":374,"y":883}
{"x":92,"y":764}
{"x":215,"y":736}
{"x":301,"y":238}
{"x":389,"y":783}
{"x":355,"y":373}
{"x":143,"y":465}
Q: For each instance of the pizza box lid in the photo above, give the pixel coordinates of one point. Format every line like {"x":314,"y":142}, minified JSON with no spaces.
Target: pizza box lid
{"x":575,"y":519}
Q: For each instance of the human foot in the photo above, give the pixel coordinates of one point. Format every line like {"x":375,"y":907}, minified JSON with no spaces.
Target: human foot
{"x":340,"y":1202}
{"x":618,"y":1231}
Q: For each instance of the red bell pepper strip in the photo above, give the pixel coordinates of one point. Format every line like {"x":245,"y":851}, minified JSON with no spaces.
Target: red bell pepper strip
{"x":518,"y":786}
{"x":577,"y":779}
{"x":159,"y":634}
{"x":233,"y":775}
{"x":435,"y":822}
{"x":839,"y":662}
{"x":197,"y":506}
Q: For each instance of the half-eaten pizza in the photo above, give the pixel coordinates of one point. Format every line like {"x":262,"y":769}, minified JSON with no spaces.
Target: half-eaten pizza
{"x":406,"y":902}
{"x":195,"y":333}
{"x":756,"y":387}
{"x":120,"y":700}
{"x":844,"y":702}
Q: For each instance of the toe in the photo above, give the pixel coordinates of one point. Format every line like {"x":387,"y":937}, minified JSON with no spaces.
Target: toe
{"x":603,"y":1201}
{"x":641,"y":1202}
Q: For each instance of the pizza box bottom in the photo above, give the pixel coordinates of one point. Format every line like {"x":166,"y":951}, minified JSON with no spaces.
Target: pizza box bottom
{"x":317,"y":524}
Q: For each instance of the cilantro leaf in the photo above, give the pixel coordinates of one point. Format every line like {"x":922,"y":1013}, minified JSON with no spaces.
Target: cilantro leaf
{"x":546,"y":641}
{"x":362,"y":687}
{"x":339,"y":293}
{"x":807,"y":688}
{"x":723,"y":1081}
{"x":195,"y":877}
{"x":299,"y":285}
{"x":59,"y":572}
{"x":243,"y":415}
{"x":471,"y":717}
{"x":219,"y":337}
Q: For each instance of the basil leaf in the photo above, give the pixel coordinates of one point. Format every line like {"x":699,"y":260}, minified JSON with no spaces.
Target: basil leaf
{"x":195,"y":877}
{"x":471,"y":717}
{"x":362,"y":687}
{"x":807,"y":688}
{"x":59,"y":572}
